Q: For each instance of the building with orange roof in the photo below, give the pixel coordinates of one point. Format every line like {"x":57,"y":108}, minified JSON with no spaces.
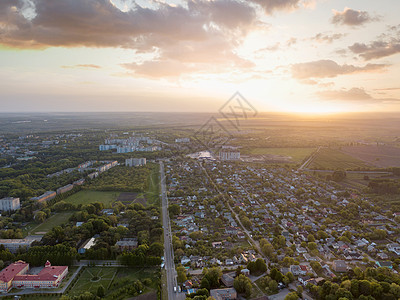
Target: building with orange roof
{"x":16,"y":276}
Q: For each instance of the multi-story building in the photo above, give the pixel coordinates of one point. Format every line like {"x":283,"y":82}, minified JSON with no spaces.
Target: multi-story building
{"x":65,"y":189}
{"x":14,"y":244}
{"x":9,"y":204}
{"x":229,"y":153}
{"x":45,"y":197}
{"x":135,"y":162}
{"x":16,"y":276}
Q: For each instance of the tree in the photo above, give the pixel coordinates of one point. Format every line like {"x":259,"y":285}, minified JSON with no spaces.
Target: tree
{"x":273,"y":286}
{"x":242,"y":285}
{"x":205,"y":284}
{"x":276,"y":275}
{"x":40,"y":216}
{"x":261,"y":266}
{"x":101,"y":291}
{"x":213,"y":276}
{"x":290,"y":276}
{"x":339,"y":175}
{"x":310,"y":238}
{"x":174,"y":209}
{"x":292,"y":296}
{"x":181,"y":272}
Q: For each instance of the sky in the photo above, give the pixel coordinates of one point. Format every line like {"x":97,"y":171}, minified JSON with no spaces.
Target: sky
{"x":302,"y":56}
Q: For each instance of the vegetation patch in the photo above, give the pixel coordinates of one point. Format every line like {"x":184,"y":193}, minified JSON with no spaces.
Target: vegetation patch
{"x":291,"y":154}
{"x":55,"y":220}
{"x":333,"y":159}
{"x":86,"y":197}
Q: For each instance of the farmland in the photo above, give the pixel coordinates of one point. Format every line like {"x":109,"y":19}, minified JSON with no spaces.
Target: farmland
{"x":333,"y":159}
{"x":378,"y":156}
{"x":87,"y":196}
{"x":293,"y":155}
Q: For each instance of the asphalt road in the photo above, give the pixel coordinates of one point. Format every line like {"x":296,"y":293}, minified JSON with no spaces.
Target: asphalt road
{"x":169,"y":264}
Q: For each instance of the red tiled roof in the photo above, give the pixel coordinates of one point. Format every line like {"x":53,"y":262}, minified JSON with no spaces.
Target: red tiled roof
{"x":12,"y":270}
{"x":47,"y":274}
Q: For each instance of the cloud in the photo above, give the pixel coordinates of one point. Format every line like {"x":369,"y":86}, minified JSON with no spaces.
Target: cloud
{"x":85,"y":66}
{"x":376,"y":49}
{"x":386,"y":44}
{"x":351,"y":17}
{"x":202,"y":31}
{"x":329,"y":69}
{"x":270,"y":6}
{"x":352,"y":95}
{"x":327,"y":38}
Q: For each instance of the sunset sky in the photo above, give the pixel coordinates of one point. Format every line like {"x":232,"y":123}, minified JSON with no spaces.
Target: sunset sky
{"x":307,"y":56}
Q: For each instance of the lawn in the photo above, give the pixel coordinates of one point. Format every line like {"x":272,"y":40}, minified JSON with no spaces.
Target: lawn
{"x":113,"y":279}
{"x":91,"y":278}
{"x":296,"y":154}
{"x":55,"y":220}
{"x":332,"y":159}
{"x":153,"y":192}
{"x":87,"y":196}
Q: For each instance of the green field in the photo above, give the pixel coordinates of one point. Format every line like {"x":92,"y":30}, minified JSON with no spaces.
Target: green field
{"x":56,"y":220}
{"x":86,"y":283}
{"x":113,"y":279}
{"x":153,"y":192}
{"x":296,"y":154}
{"x":87,"y":196}
{"x":332,"y":159}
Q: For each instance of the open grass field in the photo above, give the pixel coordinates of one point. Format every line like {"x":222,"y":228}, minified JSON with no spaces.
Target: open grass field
{"x":333,"y":159}
{"x":377,"y":156}
{"x":91,"y":278}
{"x":295,"y":155}
{"x":153,"y":192}
{"x":87,"y":196}
{"x":130,"y":198}
{"x":56,"y":220}
{"x":150,"y":196}
{"x":113,"y":279}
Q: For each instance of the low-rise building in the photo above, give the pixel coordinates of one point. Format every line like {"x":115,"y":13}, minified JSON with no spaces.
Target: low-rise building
{"x":339,"y":266}
{"x":87,"y":245}
{"x":16,"y":276}
{"x":224,"y":294}
{"x":127,"y":244}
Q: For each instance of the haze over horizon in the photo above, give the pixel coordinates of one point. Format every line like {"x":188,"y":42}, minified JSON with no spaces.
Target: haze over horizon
{"x":303,"y":56}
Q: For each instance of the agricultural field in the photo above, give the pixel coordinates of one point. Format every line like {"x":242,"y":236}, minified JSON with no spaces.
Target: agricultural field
{"x":377,"y":156}
{"x":333,"y":159}
{"x":87,"y":196}
{"x":291,"y":155}
{"x":55,"y":220}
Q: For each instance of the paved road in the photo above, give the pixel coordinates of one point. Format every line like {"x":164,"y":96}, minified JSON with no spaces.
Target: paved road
{"x":168,"y":249}
{"x":310,"y":159}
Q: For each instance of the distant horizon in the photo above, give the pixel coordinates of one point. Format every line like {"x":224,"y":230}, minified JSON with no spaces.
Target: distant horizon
{"x":295,"y":56}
